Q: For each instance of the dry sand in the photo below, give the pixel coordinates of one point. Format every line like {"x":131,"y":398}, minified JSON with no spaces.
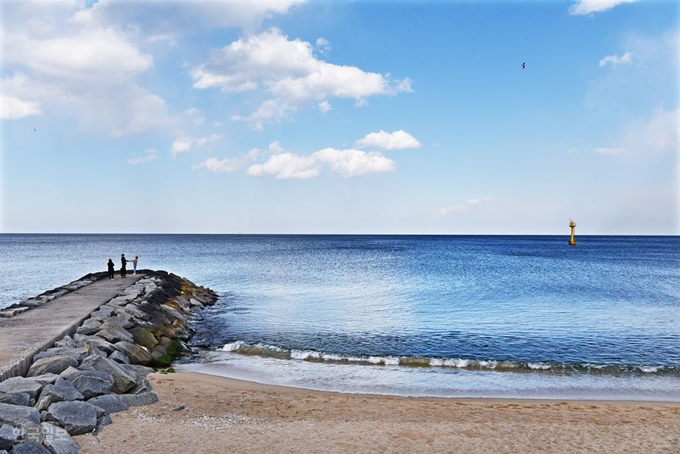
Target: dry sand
{"x":233,"y":416}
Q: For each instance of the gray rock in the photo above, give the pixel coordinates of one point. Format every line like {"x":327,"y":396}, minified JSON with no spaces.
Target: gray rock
{"x":76,"y":417}
{"x":66,"y":341}
{"x":109,"y":402}
{"x":9,"y":313}
{"x":89,"y":326}
{"x":146,"y":398}
{"x":92,"y":383}
{"x":99,"y":343}
{"x":32,"y":432}
{"x":102,"y":313}
{"x":122,"y":381}
{"x":57,"y":440}
{"x":61,"y":390}
{"x":173,"y":313}
{"x":140,"y":373}
{"x":45,"y":379}
{"x":78,"y":353}
{"x":15,"y":399}
{"x":119,"y":357}
{"x":101,"y":422}
{"x":134,"y":311}
{"x":21,"y":385}
{"x":135,"y":353}
{"x":144,"y":337}
{"x":68,"y":372}
{"x":123,"y":320}
{"x":114,"y":333}
{"x":30,"y":447}
{"x":9,"y":436}
{"x":52,"y":364}
{"x":18,"y":415}
{"x":196,"y":303}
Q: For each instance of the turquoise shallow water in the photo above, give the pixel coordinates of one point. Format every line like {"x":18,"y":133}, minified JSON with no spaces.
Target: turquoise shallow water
{"x":489,"y":316}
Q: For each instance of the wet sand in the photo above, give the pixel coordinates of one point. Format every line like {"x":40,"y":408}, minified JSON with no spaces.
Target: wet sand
{"x":224,"y":415}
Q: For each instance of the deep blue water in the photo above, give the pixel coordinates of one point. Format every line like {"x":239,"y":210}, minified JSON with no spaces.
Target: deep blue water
{"x":485,"y":315}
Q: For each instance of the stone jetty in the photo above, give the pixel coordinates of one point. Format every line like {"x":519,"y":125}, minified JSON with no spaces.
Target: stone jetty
{"x":82,"y":367}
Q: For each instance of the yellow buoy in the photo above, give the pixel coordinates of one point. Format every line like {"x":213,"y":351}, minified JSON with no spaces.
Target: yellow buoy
{"x":572,"y":240}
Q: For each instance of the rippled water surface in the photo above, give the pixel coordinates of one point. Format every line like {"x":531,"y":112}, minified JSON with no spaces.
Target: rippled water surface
{"x":437,"y":315}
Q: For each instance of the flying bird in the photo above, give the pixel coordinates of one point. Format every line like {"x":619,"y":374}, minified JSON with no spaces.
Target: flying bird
{"x":35,"y":130}
{"x":524,"y":65}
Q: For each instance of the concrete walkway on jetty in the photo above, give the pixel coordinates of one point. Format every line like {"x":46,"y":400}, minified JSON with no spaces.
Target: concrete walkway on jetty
{"x":35,"y":330}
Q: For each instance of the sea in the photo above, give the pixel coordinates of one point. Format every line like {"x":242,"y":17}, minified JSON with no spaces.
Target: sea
{"x":446,"y":316}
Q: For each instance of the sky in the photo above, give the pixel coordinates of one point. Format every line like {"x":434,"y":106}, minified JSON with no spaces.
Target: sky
{"x":349,"y":117}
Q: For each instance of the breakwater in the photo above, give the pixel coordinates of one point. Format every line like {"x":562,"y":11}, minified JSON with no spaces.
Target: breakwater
{"x":99,"y":366}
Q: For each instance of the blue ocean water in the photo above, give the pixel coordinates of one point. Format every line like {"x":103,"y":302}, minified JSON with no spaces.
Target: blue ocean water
{"x":465,"y":316}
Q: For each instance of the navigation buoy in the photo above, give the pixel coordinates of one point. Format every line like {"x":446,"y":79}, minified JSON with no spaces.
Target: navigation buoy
{"x":572,"y":240}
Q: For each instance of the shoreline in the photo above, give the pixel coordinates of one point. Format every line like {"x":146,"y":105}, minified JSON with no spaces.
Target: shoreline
{"x":254,"y":385}
{"x":209,"y":413}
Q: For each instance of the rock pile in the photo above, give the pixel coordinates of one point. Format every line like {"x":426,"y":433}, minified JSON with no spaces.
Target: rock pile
{"x":73,"y":387}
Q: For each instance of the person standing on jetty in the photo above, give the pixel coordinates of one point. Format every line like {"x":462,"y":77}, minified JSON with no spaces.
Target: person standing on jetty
{"x":111,"y":270}
{"x":134,"y":264}
{"x":123,"y":265}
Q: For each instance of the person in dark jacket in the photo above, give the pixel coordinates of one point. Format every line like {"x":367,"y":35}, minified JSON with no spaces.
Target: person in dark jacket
{"x":123,"y":264}
{"x":111,"y":270}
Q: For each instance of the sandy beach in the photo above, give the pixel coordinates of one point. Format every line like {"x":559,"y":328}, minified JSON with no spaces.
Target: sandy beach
{"x":225,"y":415}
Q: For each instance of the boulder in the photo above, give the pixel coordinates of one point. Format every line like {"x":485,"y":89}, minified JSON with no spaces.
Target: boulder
{"x":89,"y":326}
{"x":78,"y":353}
{"x":15,"y":399}
{"x":173,"y":313}
{"x":61,"y":390}
{"x":101,"y":422}
{"x":9,"y":436}
{"x":21,"y":385}
{"x":66,"y":341}
{"x":57,"y":440}
{"x":99,"y":343}
{"x":92,"y":383}
{"x":30,"y":447}
{"x":119,"y":357}
{"x":122,"y":381}
{"x":135,"y":353}
{"x":52,"y":364}
{"x":146,"y":398}
{"x":113,"y":333}
{"x":109,"y":402}
{"x":45,"y":379}
{"x":140,"y":373}
{"x":18,"y":415}
{"x":143,"y":337}
{"x":102,"y":313}
{"x":124,"y":321}
{"x":136,"y":313}
{"x":68,"y":372}
{"x":76,"y":417}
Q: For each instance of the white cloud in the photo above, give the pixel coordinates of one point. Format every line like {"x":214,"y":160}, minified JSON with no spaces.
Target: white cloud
{"x":348,"y":163}
{"x":460,"y":207}
{"x":323,"y":46}
{"x":398,"y":140}
{"x":616,"y":60}
{"x":275,"y":147}
{"x":162,"y":20}
{"x":150,"y":156}
{"x":288,"y":71}
{"x":217,"y":124}
{"x":324,"y":106}
{"x":186,"y":143}
{"x":84,"y":70}
{"x":286,"y":165}
{"x":199,"y":121}
{"x":227,"y":165}
{"x":191,"y":112}
{"x":610,"y":151}
{"x":585,"y":7}
{"x":12,"y":108}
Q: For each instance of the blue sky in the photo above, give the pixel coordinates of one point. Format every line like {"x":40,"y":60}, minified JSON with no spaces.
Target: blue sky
{"x":299,"y":116}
